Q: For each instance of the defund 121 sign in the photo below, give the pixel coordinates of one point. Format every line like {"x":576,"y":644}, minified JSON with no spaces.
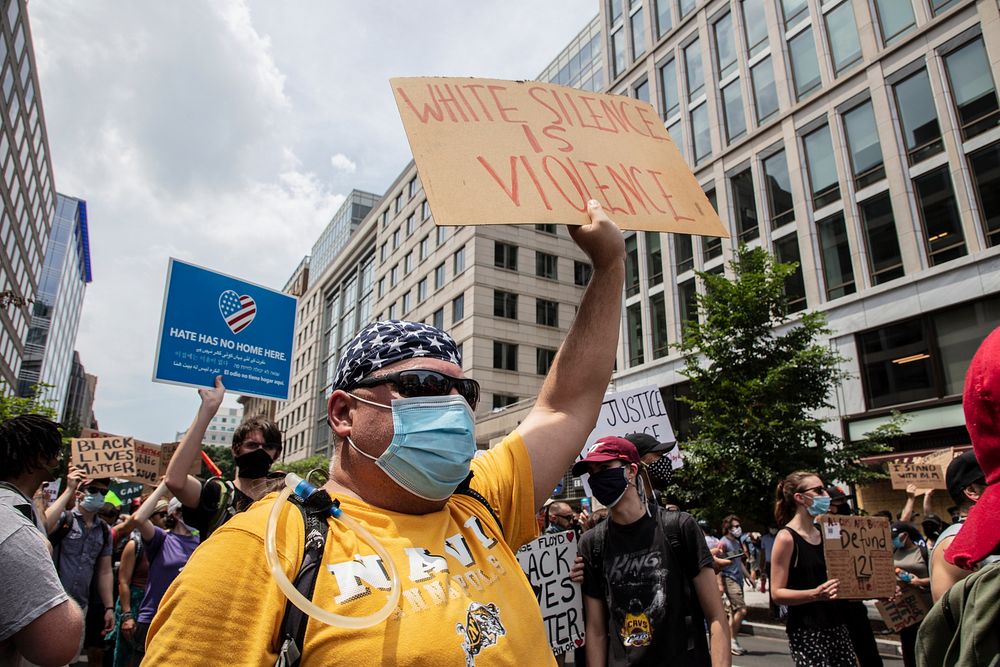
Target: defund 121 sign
{"x":214,"y":324}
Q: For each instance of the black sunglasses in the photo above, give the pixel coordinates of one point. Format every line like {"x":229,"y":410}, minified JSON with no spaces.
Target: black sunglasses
{"x":419,"y":382}
{"x":90,"y":488}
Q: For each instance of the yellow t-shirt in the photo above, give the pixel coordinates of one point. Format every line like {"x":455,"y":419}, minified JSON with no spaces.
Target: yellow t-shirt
{"x":464,"y":598}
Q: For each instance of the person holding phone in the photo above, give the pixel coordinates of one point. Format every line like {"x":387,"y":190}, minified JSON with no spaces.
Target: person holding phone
{"x":733,"y":576}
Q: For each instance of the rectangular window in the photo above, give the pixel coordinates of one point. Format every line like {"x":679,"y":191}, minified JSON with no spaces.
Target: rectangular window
{"x":633,"y":317}
{"x":439,"y":276}
{"x":779,"y":190}
{"x":938,"y":6}
{"x":669,"y":99}
{"x":394,"y":276}
{"x":732,"y":105}
{"x":543,"y":360}
{"x":884,"y":260}
{"x":725,"y":46}
{"x":458,"y":260}
{"x":422,"y":290}
{"x":411,"y":223}
{"x":458,"y":309}
{"x":396,"y":235}
{"x":631,"y":264}
{"x":638,"y":21}
{"x":437,"y":319}
{"x":615,"y":10}
{"x":504,"y":356}
{"x":836,"y":254}
{"x":959,"y":333}
{"x":985,"y":168}
{"x":745,"y":206}
{"x":863,"y":145}
{"x":683,"y":252}
{"x":504,"y":304}
{"x":692,"y":66}
{"x":547,"y":312}
{"x":711,"y":247}
{"x":702,"y":136}
{"x":581,"y":273}
{"x":617,"y":52}
{"x":546,"y":229}
{"x":972,"y":88}
{"x":677,"y":136}
{"x":505,"y":256}
{"x":642,"y":91}
{"x":786,"y":250}
{"x":664,"y":17}
{"x":939,"y":215}
{"x":918,"y":117}
{"x":897,"y":363}
{"x":754,"y":26}
{"x":794,"y":11}
{"x":805,"y":65}
{"x":425,"y":210}
{"x":425,"y":247}
{"x":442,"y":235}
{"x":406,"y":303}
{"x":687,"y":302}
{"x":659,"y":323}
{"x":408,"y":263}
{"x":546,"y":265}
{"x":843,"y":33}
{"x":764,"y":93}
{"x":412,"y":187}
{"x":686,"y":7}
{"x":822,"y":167}
{"x":398,"y":203}
{"x":654,"y":258}
{"x":501,"y":401}
{"x":895,"y":18}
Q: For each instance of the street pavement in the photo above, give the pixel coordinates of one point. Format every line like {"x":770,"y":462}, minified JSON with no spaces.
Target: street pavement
{"x":767,"y":652}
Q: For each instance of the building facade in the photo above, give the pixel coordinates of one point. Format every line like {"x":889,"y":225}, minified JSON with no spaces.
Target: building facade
{"x":27,"y":188}
{"x":55,"y":313}
{"x":220,"y":430}
{"x":81,"y":387}
{"x":860,"y":138}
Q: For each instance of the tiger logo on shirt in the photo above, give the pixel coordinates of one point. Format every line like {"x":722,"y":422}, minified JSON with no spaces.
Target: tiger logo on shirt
{"x":482,"y":630}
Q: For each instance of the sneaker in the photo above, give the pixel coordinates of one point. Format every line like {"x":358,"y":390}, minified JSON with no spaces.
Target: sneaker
{"x":735,"y":648}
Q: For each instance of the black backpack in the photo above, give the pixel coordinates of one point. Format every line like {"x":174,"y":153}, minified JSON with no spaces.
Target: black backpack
{"x":62,"y":530}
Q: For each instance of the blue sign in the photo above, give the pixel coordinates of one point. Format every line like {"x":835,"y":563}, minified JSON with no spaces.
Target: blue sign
{"x":214,"y":324}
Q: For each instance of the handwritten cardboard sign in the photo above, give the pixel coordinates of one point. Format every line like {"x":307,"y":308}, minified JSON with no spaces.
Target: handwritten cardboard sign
{"x":902,"y":612}
{"x":167,"y":451}
{"x":546,"y":562}
{"x":924,"y":475}
{"x":104,"y":457}
{"x":858,"y":551}
{"x":515,"y":152}
{"x":147,"y":463}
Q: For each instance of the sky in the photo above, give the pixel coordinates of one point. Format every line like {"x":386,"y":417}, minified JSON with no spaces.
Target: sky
{"x":227,"y":133}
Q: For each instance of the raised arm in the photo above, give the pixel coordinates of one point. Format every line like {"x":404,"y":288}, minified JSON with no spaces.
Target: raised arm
{"x":570,"y":399}
{"x":907,"y":512}
{"x":186,"y":488}
{"x":928,"y":503}
{"x":55,"y":510}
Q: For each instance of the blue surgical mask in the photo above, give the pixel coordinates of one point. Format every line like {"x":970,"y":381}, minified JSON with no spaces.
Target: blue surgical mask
{"x":897,"y":542}
{"x":432,"y":445}
{"x":820,"y":505}
{"x":92,"y":502}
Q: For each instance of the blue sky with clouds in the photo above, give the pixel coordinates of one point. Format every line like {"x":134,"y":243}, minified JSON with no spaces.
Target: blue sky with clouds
{"x":226,"y":133}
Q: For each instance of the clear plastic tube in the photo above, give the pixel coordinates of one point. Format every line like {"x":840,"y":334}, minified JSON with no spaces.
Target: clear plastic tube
{"x":308,"y":606}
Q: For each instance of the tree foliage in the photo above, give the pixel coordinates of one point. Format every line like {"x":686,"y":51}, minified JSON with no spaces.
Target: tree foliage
{"x":758,"y":383}
{"x":303,"y":467}
{"x":13,"y":406}
{"x":222,"y":456}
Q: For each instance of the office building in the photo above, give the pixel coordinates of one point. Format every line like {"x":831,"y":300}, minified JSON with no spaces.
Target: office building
{"x":55,"y":312}
{"x":79,"y":406}
{"x":220,"y":429}
{"x":27,"y":188}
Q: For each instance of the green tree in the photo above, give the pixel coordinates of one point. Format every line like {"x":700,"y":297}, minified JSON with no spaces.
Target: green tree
{"x":221,"y":456}
{"x":13,"y":406}
{"x":758,"y":382}
{"x":303,"y":467}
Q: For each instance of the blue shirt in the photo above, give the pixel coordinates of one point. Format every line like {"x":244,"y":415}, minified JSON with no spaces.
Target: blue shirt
{"x":78,"y":554}
{"x":735,"y":570}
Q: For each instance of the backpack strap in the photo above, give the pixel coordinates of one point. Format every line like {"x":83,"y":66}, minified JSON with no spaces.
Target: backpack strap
{"x":466,"y":490}
{"x":670,"y":526}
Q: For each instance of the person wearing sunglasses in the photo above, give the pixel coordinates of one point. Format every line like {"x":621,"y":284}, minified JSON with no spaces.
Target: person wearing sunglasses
{"x":562,"y":518}
{"x":256,"y":446}
{"x":402,"y":418}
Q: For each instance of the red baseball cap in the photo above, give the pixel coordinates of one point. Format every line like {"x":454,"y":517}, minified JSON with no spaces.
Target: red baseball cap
{"x":610,"y":448}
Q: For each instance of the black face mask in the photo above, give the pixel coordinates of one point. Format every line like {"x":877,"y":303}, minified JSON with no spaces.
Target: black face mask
{"x":170,"y":522}
{"x":609,"y":485}
{"x":661,"y":473}
{"x":255,"y":464}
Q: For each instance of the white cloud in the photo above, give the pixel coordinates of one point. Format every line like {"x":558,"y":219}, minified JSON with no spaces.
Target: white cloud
{"x":343,"y":163}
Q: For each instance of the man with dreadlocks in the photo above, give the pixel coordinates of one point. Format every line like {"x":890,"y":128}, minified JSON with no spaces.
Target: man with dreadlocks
{"x":38,"y":620}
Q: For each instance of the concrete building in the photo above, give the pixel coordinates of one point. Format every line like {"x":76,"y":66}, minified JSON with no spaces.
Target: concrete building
{"x":55,"y":313}
{"x":220,"y":429}
{"x":860,"y":138}
{"x":80,"y":390}
{"x":27,"y":188}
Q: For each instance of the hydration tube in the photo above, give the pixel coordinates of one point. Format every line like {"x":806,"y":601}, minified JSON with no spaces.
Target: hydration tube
{"x":304,"y":489}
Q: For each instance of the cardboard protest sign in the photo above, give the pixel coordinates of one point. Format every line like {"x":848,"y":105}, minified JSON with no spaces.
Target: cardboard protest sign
{"x":924,"y":475}
{"x":213,"y":324}
{"x":510,"y":152}
{"x":902,"y":612}
{"x":104,"y":457}
{"x":127,"y":490}
{"x":635,"y":411}
{"x":51,"y":491}
{"x":147,"y":463}
{"x":546,"y":561}
{"x":858,"y":551}
{"x":167,"y":450}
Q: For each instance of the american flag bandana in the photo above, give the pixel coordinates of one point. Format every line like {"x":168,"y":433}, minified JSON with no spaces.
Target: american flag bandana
{"x":382,"y":343}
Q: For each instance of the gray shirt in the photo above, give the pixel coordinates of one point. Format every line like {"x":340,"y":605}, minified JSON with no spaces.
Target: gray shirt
{"x":29,"y":585}
{"x":11,"y":495}
{"x":78,"y":553}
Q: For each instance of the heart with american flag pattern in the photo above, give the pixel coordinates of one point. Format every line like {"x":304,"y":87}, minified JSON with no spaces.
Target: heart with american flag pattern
{"x":237,"y":310}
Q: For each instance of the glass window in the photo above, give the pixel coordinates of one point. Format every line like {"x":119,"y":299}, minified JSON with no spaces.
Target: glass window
{"x":786,"y":251}
{"x":505,"y":256}
{"x":725,"y":46}
{"x":918,"y":117}
{"x":836,"y":253}
{"x":504,"y":304}
{"x":822,"y":167}
{"x":546,"y":313}
{"x":864,"y":146}
{"x":425,"y":247}
{"x":437,"y":318}
{"x":711,"y":246}
{"x":396,"y":235}
{"x":421,"y":290}
{"x":896,"y":364}
{"x":884,"y":260}
{"x":394,"y":276}
{"x":676,"y":133}
{"x":406,"y":303}
{"x":458,"y":260}
{"x":959,"y":333}
{"x":732,"y":104}
{"x":972,"y":88}
{"x":654,"y":258}
{"x":938,"y":6}
{"x":843,"y":32}
{"x":664,"y":17}
{"x":702,"y":136}
{"x":617,"y":52}
{"x":633,"y":317}
{"x":764,"y":93}
{"x":631,"y":264}
{"x":581,"y":273}
{"x":439,"y":276}
{"x":669,"y":99}
{"x":779,"y":190}
{"x":939,"y":215}
{"x":543,"y":360}
{"x":745,"y":206}
{"x":615,"y":10}
{"x":411,"y":223}
{"x":546,"y":266}
{"x":985,"y":168}
{"x":659,"y":323}
{"x":794,"y":10}
{"x":754,"y":26}
{"x":442,"y":235}
{"x":895,"y":18}
{"x":683,"y":252}
{"x":546,"y":229}
{"x":638,"y":21}
{"x":805,"y":66}
{"x":504,"y":356}
{"x":687,"y":303}
{"x":642,"y":91}
{"x":408,"y":263}
{"x":458,"y":308}
{"x":686,"y":7}
{"x":501,"y":401}
{"x":425,"y":210}
{"x":693,"y":70}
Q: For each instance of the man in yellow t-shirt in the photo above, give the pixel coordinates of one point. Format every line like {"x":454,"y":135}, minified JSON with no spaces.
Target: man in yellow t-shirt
{"x":401,"y":415}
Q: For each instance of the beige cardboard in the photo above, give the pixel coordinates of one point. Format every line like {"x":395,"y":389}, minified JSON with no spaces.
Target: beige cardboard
{"x":858,"y":552}
{"x":167,"y":450}
{"x":147,"y":463}
{"x":104,"y":457}
{"x":514,"y":152}
{"x":902,"y":612}
{"x":924,"y":475}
